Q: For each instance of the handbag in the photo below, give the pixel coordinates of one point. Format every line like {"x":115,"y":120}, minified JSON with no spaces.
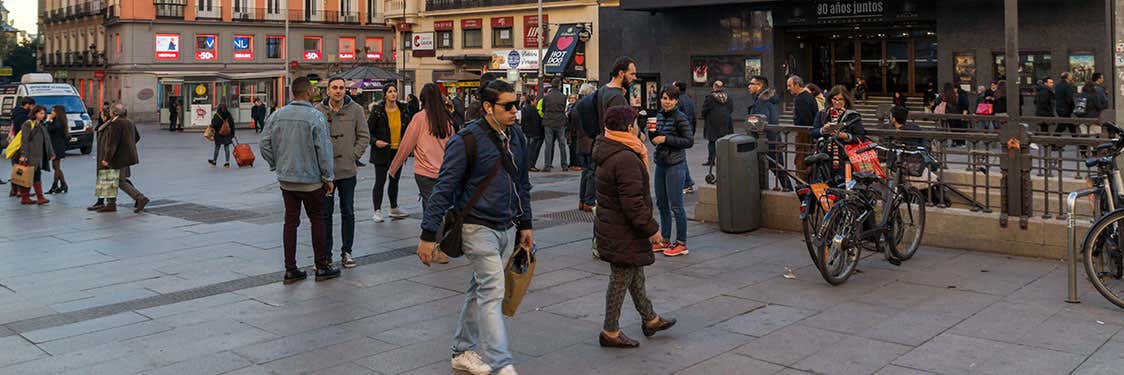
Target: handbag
{"x":209,"y":134}
{"x":517,"y":277}
{"x":450,"y":241}
{"x":14,"y":145}
{"x":985,"y":109}
{"x":23,"y":175}
{"x":941,"y":108}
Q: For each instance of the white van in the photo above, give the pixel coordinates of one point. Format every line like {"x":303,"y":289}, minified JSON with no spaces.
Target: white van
{"x":41,"y":87}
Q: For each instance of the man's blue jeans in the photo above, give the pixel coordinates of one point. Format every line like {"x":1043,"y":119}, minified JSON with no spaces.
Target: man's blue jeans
{"x":556,"y":135}
{"x":345,"y":188}
{"x":668,"y":182}
{"x":481,"y":327}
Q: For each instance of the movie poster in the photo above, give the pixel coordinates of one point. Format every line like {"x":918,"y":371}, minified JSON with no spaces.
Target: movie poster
{"x":731,"y":70}
{"x":1081,"y":66}
{"x":752,"y":68}
{"x":965,"y":69}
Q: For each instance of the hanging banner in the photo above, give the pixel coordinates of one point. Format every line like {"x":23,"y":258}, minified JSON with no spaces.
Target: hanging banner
{"x":532,"y":30}
{"x":520,"y":59}
{"x":423,"y":45}
{"x":562,"y":48}
{"x":243,"y":47}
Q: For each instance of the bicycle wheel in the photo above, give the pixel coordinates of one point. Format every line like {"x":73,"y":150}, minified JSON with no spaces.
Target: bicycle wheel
{"x":838,"y":243}
{"x":1101,"y":251}
{"x":811,"y":223}
{"x":908,"y":224}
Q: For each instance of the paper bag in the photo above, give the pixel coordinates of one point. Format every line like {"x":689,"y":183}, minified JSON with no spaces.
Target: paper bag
{"x":517,"y":278}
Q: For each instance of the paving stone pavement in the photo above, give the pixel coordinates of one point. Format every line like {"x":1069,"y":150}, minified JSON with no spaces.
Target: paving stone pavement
{"x":191,"y":287}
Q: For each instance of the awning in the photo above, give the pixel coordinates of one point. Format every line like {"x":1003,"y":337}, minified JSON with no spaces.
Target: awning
{"x":371,"y":73}
{"x":466,"y":58}
{"x":223,"y":75}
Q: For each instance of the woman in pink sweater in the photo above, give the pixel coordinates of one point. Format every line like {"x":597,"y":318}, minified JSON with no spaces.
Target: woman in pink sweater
{"x":426,"y":136}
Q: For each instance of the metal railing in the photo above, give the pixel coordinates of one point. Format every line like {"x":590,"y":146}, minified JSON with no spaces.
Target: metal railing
{"x":989,"y":163}
{"x":294,"y":15}
{"x":431,"y":5}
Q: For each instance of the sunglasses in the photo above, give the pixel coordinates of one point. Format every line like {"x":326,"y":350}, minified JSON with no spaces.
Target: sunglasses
{"x":508,"y":106}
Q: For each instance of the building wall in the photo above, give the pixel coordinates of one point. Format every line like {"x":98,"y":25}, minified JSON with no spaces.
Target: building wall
{"x":1078,"y":26}
{"x":579,"y":11}
{"x":664,"y":42}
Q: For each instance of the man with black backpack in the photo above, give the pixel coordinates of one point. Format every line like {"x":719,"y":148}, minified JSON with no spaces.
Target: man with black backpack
{"x":590,"y":111}
{"x":482,"y":197}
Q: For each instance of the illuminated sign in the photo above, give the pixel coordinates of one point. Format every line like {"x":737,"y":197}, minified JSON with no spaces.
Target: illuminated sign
{"x":167,"y":46}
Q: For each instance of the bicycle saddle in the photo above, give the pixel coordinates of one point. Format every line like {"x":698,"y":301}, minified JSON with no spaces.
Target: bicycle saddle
{"x":816,"y":158}
{"x":1097,"y":162}
{"x":866,"y":178}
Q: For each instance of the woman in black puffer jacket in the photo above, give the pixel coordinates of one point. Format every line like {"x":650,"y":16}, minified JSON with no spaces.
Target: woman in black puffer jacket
{"x":671,"y":137}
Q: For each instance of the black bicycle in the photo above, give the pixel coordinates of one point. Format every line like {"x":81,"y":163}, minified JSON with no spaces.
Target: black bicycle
{"x":850,"y":225}
{"x":1103,"y":247}
{"x":814,"y":199}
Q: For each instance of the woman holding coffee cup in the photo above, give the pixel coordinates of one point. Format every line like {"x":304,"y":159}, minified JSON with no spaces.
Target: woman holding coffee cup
{"x":670,"y":132}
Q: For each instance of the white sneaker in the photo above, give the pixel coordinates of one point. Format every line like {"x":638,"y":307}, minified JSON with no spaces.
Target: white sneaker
{"x":507,"y":370}
{"x":377,"y":217}
{"x":398,"y":214}
{"x":470,"y":361}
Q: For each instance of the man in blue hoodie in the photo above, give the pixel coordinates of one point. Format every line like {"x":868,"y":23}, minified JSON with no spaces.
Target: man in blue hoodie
{"x":295,"y":143}
{"x":489,"y":232}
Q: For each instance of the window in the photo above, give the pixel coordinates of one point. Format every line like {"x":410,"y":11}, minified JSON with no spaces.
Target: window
{"x":502,"y":38}
{"x":407,"y":40}
{"x":273,"y":6}
{"x":373,"y":49}
{"x":273,"y":46}
{"x":473,"y":39}
{"x":206,"y":47}
{"x":312,"y":48}
{"x":347,"y":49}
{"x":445,"y":39}
{"x":208,"y":9}
{"x":168,"y":9}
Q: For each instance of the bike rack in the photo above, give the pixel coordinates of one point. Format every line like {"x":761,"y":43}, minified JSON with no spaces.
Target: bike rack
{"x":1070,"y":238}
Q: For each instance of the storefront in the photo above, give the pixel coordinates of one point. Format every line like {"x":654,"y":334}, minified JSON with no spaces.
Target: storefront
{"x":890,"y":46}
{"x":198,"y":96}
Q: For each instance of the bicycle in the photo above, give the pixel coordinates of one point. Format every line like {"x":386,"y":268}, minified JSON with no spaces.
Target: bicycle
{"x":1103,"y":247}
{"x":841,"y":237}
{"x":814,"y":201}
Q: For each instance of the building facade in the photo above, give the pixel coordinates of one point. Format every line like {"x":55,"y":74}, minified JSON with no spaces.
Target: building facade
{"x":205,"y":53}
{"x":894,"y":46}
{"x":453,"y":42}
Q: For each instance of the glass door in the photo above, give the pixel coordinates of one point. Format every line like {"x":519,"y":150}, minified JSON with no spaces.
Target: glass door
{"x":871,"y":53}
{"x":897,"y":66}
{"x":843,"y":66}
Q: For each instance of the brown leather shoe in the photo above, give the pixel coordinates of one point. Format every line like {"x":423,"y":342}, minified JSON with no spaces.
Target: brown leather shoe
{"x":139,"y":206}
{"x":95,"y":207}
{"x":112,"y":207}
{"x":585,"y":207}
{"x":621,"y":341}
{"x":661,"y":324}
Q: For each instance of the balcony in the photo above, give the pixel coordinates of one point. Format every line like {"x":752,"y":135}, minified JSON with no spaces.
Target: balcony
{"x":295,"y":15}
{"x":432,"y":5}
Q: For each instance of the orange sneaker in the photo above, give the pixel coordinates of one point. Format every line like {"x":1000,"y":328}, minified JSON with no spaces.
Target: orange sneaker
{"x":677,"y":250}
{"x":660,"y":247}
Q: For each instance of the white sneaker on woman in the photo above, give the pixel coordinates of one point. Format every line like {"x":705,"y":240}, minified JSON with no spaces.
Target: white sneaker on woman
{"x":377,"y":217}
{"x":398,"y":214}
{"x":470,"y":362}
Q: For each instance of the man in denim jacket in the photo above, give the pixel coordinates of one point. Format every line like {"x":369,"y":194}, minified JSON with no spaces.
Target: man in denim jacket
{"x":295,"y":143}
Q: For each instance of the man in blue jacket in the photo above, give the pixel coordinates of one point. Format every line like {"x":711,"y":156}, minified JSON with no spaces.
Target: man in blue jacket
{"x":763,"y":106}
{"x":296,"y":145}
{"x":490,"y":225}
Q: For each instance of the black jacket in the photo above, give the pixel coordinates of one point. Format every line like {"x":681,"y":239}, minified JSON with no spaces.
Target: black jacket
{"x":258,"y":112}
{"x":216,"y":123}
{"x":379,"y":126}
{"x":554,"y":110}
{"x":1044,"y":101}
{"x":19,"y":116}
{"x":59,"y":130}
{"x":717,"y":110}
{"x":675,"y":126}
{"x":1064,"y":99}
{"x":530,"y":121}
{"x":804,"y":110}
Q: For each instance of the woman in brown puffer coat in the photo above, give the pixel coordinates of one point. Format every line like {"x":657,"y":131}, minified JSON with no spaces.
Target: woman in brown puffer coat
{"x":625,"y":229}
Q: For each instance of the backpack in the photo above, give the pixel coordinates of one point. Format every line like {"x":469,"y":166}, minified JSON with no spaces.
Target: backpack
{"x":225,"y":129}
{"x":1081,"y":106}
{"x":587,"y":114}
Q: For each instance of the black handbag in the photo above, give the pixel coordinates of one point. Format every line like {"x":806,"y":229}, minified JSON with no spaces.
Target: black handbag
{"x":450,"y":241}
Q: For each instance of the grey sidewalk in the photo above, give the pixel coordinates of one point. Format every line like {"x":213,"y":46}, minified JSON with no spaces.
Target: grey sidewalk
{"x":180,"y":290}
